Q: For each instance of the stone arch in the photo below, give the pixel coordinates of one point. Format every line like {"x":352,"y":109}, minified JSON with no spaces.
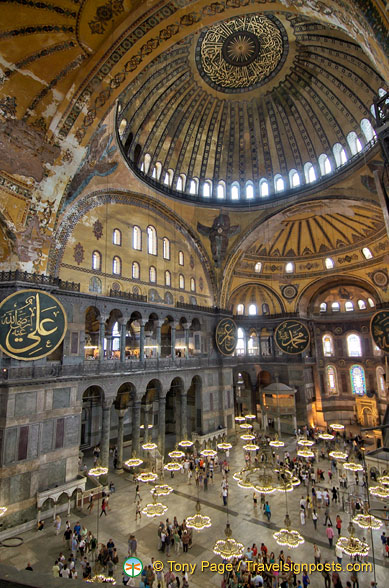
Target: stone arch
{"x":92,"y":328}
{"x":194,"y":400}
{"x":91,"y":416}
{"x":175,"y":396}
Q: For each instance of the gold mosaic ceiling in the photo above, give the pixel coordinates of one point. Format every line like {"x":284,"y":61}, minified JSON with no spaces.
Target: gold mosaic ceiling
{"x":239,"y":102}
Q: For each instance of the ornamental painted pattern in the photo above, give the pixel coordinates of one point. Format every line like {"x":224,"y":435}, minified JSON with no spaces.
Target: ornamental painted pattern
{"x":358,"y":380}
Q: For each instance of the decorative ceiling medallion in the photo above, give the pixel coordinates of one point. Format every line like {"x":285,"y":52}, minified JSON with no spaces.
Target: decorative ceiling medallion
{"x":289,"y":292}
{"x":226,"y":336}
{"x":241,"y":53}
{"x":380,"y":278}
{"x":380,"y":329}
{"x":292,"y":337}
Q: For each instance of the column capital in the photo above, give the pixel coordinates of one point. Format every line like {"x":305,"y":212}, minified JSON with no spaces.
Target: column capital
{"x":121,"y":412}
{"x":142,"y":322}
{"x":102,"y":318}
{"x":123,"y":320}
{"x":174,"y":324}
{"x":107,"y":404}
{"x":159,"y":323}
{"x":186,"y":326}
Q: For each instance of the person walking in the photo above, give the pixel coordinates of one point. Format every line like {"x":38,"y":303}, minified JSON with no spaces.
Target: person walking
{"x":339,"y":554}
{"x":338,"y":524}
{"x":316,"y":554}
{"x":103,"y":507}
{"x":267,"y":511}
{"x":225,"y":495}
{"x":57,"y":524}
{"x":327,"y":516}
{"x":314,"y":518}
{"x":132,"y":546}
{"x":330,"y":534}
{"x":326,"y":575}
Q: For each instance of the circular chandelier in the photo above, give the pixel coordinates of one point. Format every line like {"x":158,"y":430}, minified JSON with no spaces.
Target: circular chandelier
{"x":247,"y":437}
{"x":307,"y":453}
{"x":287,"y":536}
{"x":134,"y":462}
{"x":101,"y":579}
{"x":250,"y":416}
{"x":246,"y":426}
{"x":353,"y":466}
{"x":250,"y":447}
{"x":240,"y":419}
{"x":172,"y":466}
{"x":208,"y":453}
{"x":148,"y":426}
{"x":149,"y":446}
{"x":154,"y":509}
{"x":224,"y":446}
{"x":99,"y":471}
{"x":336,"y":454}
{"x":305,"y":443}
{"x":3,"y":510}
{"x":337,"y":427}
{"x":351,"y":545}
{"x":367,"y":521}
{"x":198,"y":521}
{"x":326,"y":436}
{"x":384,"y":480}
{"x":276,"y":443}
{"x":147,"y":477}
{"x":228,"y":548}
{"x":379,"y":491}
{"x":176,"y":454}
{"x":185,"y":443}
{"x":264,"y":479}
{"x":161,"y":490}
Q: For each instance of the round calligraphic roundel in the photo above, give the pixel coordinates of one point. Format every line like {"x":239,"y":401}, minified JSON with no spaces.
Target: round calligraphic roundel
{"x":292,"y":337}
{"x":379,"y":326}
{"x":32,"y":324}
{"x":226,"y":336}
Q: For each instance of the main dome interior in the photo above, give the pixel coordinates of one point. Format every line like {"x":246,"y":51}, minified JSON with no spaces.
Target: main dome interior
{"x":247,"y":100}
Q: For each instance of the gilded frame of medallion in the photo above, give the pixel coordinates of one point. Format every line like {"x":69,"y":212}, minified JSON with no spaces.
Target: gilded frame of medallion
{"x":288,"y":352}
{"x":216,"y":332}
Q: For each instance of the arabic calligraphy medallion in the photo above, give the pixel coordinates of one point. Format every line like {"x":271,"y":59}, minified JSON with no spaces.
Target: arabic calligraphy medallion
{"x":292,"y":337}
{"x":32,"y":324}
{"x":226,"y":336}
{"x":379,"y":327}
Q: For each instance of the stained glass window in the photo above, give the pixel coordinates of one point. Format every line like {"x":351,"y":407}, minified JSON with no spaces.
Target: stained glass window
{"x":354,"y":347}
{"x":328,"y":346}
{"x":331,"y":380}
{"x":358,"y":380}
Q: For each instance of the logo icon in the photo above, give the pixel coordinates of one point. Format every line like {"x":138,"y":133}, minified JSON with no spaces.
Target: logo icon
{"x":133,"y":567}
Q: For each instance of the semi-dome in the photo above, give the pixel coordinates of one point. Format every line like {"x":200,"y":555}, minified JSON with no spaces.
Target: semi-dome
{"x":249,"y":109}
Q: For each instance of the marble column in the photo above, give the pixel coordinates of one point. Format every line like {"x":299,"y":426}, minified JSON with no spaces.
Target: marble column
{"x":184,"y":415}
{"x":123,"y":334}
{"x":146,"y":429}
{"x":105,"y":433}
{"x":158,"y":337}
{"x":142,"y":341}
{"x":101,"y":336}
{"x":278,"y":421}
{"x":264,"y":421}
{"x":136,"y":428}
{"x":109,"y":346}
{"x":246,"y":343}
{"x":186,"y":339}
{"x":162,"y":425}
{"x":121,"y":413}
{"x":294,"y":419}
{"x":173,"y":340}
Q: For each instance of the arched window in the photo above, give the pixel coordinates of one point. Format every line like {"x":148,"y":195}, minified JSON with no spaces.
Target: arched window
{"x":152,"y":274}
{"x":367,"y":254}
{"x":192,"y":285}
{"x":166,"y":248}
{"x":193,"y":186}
{"x":371,"y":302}
{"x":157,"y":170}
{"x":207,"y":188}
{"x":381,"y":384}
{"x":136,"y":238}
{"x":289,"y":268}
{"x":354,"y":346}
{"x":309,"y":171}
{"x":147,"y":161}
{"x":168,"y":179}
{"x":265,"y":308}
{"x":181,"y":282}
{"x":358,"y":380}
{"x":252,"y":343}
{"x":328,"y":346}
{"x":249,"y":190}
{"x":235,"y":191}
{"x":122,"y":127}
{"x":335,"y":307}
{"x":339,"y":154}
{"x":349,"y":306}
{"x":168,"y":278}
{"x":367,"y":129}
{"x":240,"y":345}
{"x":117,"y":237}
{"x":117,"y":265}
{"x":151,"y":240}
{"x":221,"y":190}
{"x":294,"y":178}
{"x":96,"y":260}
{"x":240,"y":309}
{"x":361,"y":305}
{"x":263,"y":188}
{"x":252,"y":309}
{"x":332,"y":387}
{"x":279,"y":184}
{"x":325,"y":164}
{"x":354,"y":143}
{"x":323,"y":307}
{"x":258,"y":267}
{"x":180,"y":184}
{"x":135,"y":270}
{"x":329,"y":263}
{"x":180,"y":258}
{"x":116,"y":337}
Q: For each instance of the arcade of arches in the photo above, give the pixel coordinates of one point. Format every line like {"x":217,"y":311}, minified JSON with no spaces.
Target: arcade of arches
{"x":154,"y":193}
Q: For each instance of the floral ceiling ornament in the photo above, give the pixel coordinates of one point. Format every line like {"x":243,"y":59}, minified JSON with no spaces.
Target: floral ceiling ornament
{"x":104,"y":14}
{"x":78,"y":253}
{"x":97,"y":229}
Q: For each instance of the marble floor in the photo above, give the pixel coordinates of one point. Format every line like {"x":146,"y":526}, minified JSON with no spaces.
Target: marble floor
{"x":248,"y":526}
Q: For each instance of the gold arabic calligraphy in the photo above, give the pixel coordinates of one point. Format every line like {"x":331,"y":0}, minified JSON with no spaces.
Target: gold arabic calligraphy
{"x":292,"y":337}
{"x":380,"y":329}
{"x":226,"y":336}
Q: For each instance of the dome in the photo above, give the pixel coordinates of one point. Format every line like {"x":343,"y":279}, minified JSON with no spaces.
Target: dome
{"x":249,"y":109}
